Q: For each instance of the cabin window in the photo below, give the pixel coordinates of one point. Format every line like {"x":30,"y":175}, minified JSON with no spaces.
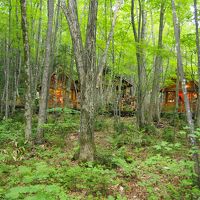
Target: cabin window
{"x":194,"y":95}
{"x":171,"y":96}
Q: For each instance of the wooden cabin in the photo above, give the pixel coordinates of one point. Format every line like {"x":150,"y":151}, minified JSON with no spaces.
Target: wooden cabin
{"x":128,"y":101}
{"x":169,"y":97}
{"x":63,"y":91}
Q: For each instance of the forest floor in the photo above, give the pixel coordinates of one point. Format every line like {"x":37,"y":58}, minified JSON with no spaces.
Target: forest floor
{"x":151,"y":164}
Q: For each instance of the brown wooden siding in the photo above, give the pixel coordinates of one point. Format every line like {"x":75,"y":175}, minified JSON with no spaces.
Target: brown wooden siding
{"x":169,"y":97}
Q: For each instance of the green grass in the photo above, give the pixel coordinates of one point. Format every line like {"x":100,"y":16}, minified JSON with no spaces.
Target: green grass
{"x":149,"y":164}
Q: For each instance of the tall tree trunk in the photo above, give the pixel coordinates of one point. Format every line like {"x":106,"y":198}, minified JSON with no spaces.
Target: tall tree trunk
{"x":87,"y":71}
{"x":117,"y":107}
{"x":45,"y":79}
{"x":8,"y":64}
{"x":16,"y":81}
{"x":37,"y":71}
{"x":177,"y":92}
{"x":154,"y":114}
{"x":139,"y":37}
{"x":88,"y":91}
{"x":4,"y":87}
{"x":7,"y":78}
{"x":55,"y":33}
{"x":198,"y":55}
{"x":88,"y":108}
{"x":183,"y":82}
{"x":18,"y":63}
{"x":28,"y":105}
{"x":70,"y":81}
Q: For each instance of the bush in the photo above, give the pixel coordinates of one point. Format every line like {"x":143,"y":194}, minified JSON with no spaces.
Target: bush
{"x":35,"y":192}
{"x":117,"y":159}
{"x":43,"y":180}
{"x":178,"y":181}
{"x":61,"y":127}
{"x":120,"y":127}
{"x":63,"y":110}
{"x":93,"y":179}
{"x":129,"y":135}
{"x":151,"y":129}
{"x":166,"y":147}
{"x":100,"y":125}
{"x":168,"y":134}
{"x":11,"y":131}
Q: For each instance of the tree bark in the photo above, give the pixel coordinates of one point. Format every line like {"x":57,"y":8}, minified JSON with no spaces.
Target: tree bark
{"x":37,"y":72}
{"x":16,"y":81}
{"x":139,"y":36}
{"x":198,"y":56}
{"x":154,"y":114}
{"x":28,"y":82}
{"x":55,"y":32}
{"x":87,"y":70}
{"x":18,"y":64}
{"x":117,"y":108}
{"x":4,"y":87}
{"x":7,"y":103}
{"x":86,"y":138}
{"x":45,"y":79}
{"x":186,"y":100}
{"x":7,"y":78}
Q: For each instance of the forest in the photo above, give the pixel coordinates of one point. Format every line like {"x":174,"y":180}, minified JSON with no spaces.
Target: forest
{"x":99,"y":99}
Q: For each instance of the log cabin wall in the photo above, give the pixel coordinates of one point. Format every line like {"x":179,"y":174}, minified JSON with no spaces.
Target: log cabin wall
{"x":169,"y":97}
{"x":60,"y":95}
{"x":128,"y":102}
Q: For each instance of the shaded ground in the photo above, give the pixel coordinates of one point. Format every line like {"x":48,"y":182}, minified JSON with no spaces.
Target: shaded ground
{"x":150,"y":164}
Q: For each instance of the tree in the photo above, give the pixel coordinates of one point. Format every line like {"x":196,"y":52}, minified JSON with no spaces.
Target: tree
{"x":7,"y":63}
{"x":154,"y":112}
{"x":38,"y":46}
{"x":45,"y":79}
{"x":139,"y":36}
{"x":27,"y":66}
{"x":88,"y":71}
{"x":183,"y":83}
{"x":198,"y":57}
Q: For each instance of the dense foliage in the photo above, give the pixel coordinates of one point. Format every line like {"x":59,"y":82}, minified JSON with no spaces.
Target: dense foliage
{"x":91,"y":54}
{"x":149,"y":164}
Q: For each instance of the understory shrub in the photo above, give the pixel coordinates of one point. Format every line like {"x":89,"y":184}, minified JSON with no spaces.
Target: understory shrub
{"x":63,"y":110}
{"x":100,"y":125}
{"x":120,"y":127}
{"x":61,"y":127}
{"x":42,"y":180}
{"x":166,"y":147}
{"x":11,"y":131}
{"x":119,"y":158}
{"x":93,"y":179}
{"x":130,"y":136}
{"x":168,"y":134}
{"x":37,"y":192}
{"x":151,"y":129}
{"x":177,"y":182}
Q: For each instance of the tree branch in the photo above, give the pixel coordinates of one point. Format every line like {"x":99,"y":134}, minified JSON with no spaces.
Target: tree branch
{"x":105,"y":53}
{"x":71,"y":15}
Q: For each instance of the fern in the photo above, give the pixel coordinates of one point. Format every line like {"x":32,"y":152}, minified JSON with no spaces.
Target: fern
{"x":31,"y":192}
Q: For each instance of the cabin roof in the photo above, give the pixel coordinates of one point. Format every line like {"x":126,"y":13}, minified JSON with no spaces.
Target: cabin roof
{"x":190,"y":85}
{"x":125,"y":81}
{"x":75,"y":83}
